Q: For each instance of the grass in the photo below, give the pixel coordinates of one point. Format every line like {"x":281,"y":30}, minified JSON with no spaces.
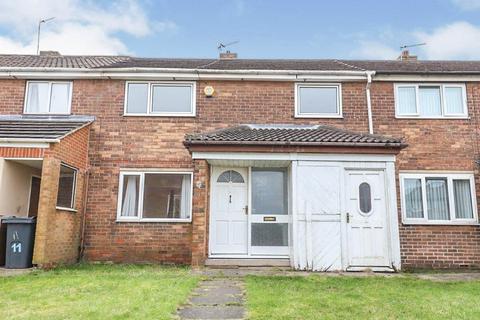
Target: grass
{"x":96,"y":292}
{"x":321,"y":297}
{"x":155,"y":292}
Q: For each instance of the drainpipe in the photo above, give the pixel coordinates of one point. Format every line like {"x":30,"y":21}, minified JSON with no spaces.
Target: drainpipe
{"x":369,"y":74}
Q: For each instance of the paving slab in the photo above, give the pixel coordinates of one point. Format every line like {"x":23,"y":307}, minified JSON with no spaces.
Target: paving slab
{"x":218,"y":290}
{"x":212,"y":312}
{"x":215,"y":298}
{"x":4,"y":272}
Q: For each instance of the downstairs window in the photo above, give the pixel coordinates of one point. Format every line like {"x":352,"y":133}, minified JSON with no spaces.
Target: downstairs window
{"x":155,"y":196}
{"x":438,"y":198}
{"x":66,"y":187}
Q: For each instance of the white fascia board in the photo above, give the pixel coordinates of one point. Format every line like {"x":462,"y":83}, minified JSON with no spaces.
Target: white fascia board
{"x":180,"y":74}
{"x":430,"y":77}
{"x":24,"y":144}
{"x":292,"y":156}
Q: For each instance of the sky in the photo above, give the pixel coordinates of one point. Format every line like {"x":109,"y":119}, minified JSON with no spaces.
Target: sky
{"x":362,"y":29}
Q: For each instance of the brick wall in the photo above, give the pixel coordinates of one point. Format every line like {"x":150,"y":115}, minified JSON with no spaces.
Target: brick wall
{"x":58,"y":234}
{"x":442,"y":145}
{"x":156,"y":142}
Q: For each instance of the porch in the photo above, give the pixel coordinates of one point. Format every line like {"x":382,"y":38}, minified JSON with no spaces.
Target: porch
{"x":43,"y":163}
{"x":320,"y":206}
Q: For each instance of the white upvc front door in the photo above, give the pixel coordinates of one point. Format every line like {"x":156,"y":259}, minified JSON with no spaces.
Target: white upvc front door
{"x":249,"y":212}
{"x":229,"y":215}
{"x":367,"y":229}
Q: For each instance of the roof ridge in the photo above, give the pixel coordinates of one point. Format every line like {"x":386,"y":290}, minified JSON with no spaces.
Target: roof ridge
{"x":349,"y":65}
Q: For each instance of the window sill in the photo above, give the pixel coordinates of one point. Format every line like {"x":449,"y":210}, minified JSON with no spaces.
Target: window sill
{"x":67,"y":209}
{"x":433,"y":118}
{"x":165,"y":115}
{"x":154,"y":220}
{"x":319,"y":116}
{"x":442,"y":223}
{"x":47,"y":114}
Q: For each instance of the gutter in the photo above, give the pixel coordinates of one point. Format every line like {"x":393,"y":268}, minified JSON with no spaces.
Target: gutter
{"x":299,"y":143}
{"x":177,"y":74}
{"x":369,"y":75}
{"x":179,"y":70}
{"x":29,"y":140}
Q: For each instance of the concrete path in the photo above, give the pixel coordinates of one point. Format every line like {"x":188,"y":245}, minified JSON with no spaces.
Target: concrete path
{"x":216,"y":298}
{"x":14,"y":272}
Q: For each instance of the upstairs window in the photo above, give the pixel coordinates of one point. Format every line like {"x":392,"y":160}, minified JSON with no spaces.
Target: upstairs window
{"x":48,"y":97}
{"x":431,"y":101}
{"x":438,"y":198}
{"x":160,"y":99}
{"x":318,"y":101}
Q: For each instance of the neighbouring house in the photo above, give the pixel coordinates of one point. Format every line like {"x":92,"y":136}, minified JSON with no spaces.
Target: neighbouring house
{"x":318,"y":164}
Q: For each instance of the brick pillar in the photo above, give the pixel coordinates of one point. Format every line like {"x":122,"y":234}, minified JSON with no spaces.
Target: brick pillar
{"x":46,"y":210}
{"x":200,"y":212}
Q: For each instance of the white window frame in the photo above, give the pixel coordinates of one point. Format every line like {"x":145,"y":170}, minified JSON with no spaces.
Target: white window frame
{"x":74,"y":189}
{"x":338,"y":114}
{"x":451,"y":198}
{"x":442,"y":86}
{"x":139,"y":217}
{"x":150,"y":112}
{"x":50,"y":83}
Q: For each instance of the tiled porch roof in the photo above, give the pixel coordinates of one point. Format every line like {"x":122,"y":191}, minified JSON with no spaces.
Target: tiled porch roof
{"x":294,"y":135}
{"x":40,"y":128}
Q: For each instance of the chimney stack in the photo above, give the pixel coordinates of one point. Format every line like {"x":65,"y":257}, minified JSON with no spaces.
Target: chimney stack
{"x":50,"y":54}
{"x":228,"y":55}
{"x":405,"y":56}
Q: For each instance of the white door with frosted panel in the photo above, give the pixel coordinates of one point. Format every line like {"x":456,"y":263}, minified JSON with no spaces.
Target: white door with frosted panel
{"x":367,"y":232}
{"x":229,"y":219}
{"x":269,"y":213}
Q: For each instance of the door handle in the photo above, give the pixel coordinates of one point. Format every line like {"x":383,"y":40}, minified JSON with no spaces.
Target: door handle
{"x":348,"y":217}
{"x":246,"y":210}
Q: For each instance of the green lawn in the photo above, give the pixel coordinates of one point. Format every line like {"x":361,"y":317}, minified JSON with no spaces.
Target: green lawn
{"x":154,"y":292}
{"x":96,"y":292}
{"x":321,"y":297}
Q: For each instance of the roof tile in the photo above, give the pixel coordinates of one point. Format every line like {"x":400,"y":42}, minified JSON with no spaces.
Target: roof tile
{"x":290,"y":135}
{"x":380,"y":66}
{"x":41,"y":128}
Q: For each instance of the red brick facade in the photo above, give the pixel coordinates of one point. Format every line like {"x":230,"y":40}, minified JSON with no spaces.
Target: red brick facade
{"x":121,"y":142}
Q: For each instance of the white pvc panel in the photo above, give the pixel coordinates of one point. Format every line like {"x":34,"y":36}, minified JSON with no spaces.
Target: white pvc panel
{"x":317,"y":243}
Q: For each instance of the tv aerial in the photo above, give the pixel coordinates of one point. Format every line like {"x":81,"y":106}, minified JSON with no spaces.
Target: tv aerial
{"x":406,"y":46}
{"x":223,"y":46}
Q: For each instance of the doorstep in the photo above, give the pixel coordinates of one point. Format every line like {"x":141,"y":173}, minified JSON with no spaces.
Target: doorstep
{"x":236,"y":263}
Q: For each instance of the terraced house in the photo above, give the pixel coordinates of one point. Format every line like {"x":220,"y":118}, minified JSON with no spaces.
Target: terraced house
{"x":317,"y":164}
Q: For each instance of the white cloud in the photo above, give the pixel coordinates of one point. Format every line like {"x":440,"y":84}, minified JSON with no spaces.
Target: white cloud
{"x":375,"y":50}
{"x":459,"y":40}
{"x":80,"y":27}
{"x":467,"y":4}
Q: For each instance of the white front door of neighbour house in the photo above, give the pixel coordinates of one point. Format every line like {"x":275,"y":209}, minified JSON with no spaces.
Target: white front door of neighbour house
{"x":269,"y":212}
{"x":229,"y":211}
{"x":366,"y":210}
